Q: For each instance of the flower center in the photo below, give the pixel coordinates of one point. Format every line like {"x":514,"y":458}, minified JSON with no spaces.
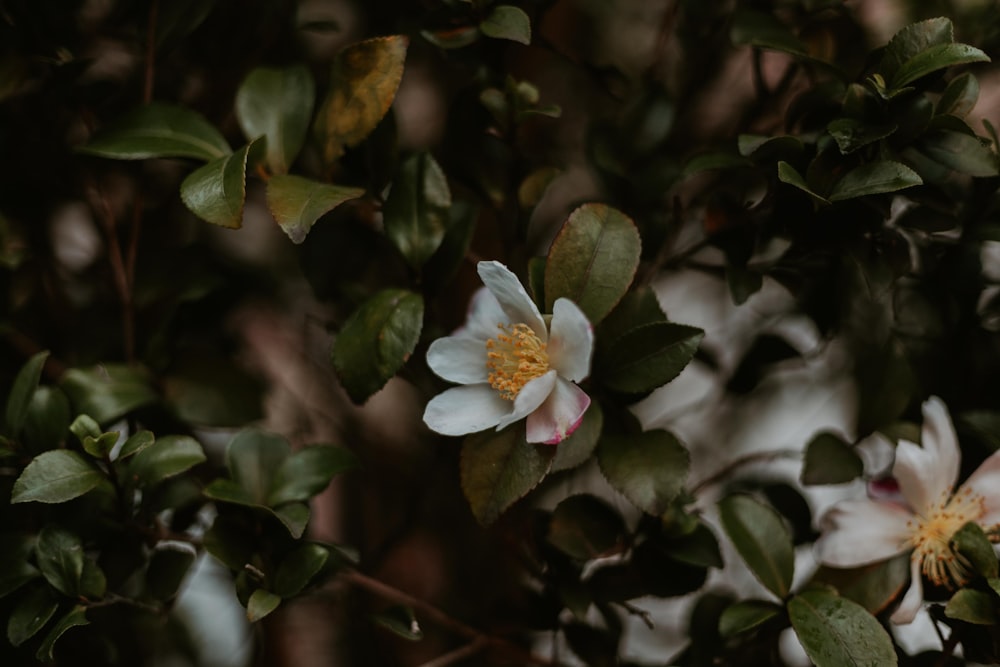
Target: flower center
{"x":515,"y":357}
{"x":931,"y":533}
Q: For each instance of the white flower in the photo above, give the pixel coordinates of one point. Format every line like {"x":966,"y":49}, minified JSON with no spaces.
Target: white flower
{"x":923,"y":520}
{"x":511,"y":365}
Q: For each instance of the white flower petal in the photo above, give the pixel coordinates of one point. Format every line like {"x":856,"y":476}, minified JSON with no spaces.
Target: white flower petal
{"x":485,"y":315}
{"x":529,"y":398}
{"x":920,"y":482}
{"x":985,"y":482}
{"x":458,"y":359}
{"x":938,"y":437}
{"x":859,"y":532}
{"x":571,"y":341}
{"x":559,"y":415}
{"x":912,"y":600}
{"x":465,"y":409}
{"x":514,"y":301}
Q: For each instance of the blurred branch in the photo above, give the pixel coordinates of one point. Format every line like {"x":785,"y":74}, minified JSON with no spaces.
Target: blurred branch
{"x":738,"y":463}
{"x":150,"y":70}
{"x":121,"y":274}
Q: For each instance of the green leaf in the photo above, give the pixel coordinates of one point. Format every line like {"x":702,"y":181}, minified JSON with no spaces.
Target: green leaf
{"x":298,"y":568}
{"x":93,"y":583}
{"x":712,"y":161}
{"x":592,"y":260}
{"x":873,"y":586}
{"x":261,"y":604}
{"x":874,"y":178}
{"x":836,"y":632}
{"x":762,"y":540}
{"x":376,"y":340}
{"x":136,"y":443}
{"x":15,"y":570}
{"x":830,"y":460}
{"x":55,"y":477}
{"x":48,"y":419}
{"x":401,"y":621}
{"x":498,"y":468}
{"x":297,"y":203}
{"x":961,"y":152}
{"x":230,"y":542}
{"x":972,"y":544}
{"x":167,"y":457}
{"x":217,"y":191}
{"x":507,"y":22}
{"x":416,"y":212}
{"x":228,"y":491}
{"x":277,"y":104}
{"x":84,"y":427}
{"x":788,"y":174}
{"x":912,"y":40}
{"x":699,"y":548}
{"x":308,"y":471}
{"x":32,"y":612}
{"x":972,"y":606}
{"x":59,"y":554}
{"x":363,"y":85}
{"x":746,"y":615}
{"x":934,"y":58}
{"x":765,"y":147}
{"x":167,"y":568}
{"x":22,"y":391}
{"x":852,"y":134}
{"x":253,"y":457}
{"x":109,"y":391}
{"x":648,"y":356}
{"x":100,"y":446}
{"x":158,"y":130}
{"x":293,"y":516}
{"x":959,"y":98}
{"x":585,"y":527}
{"x":75,"y":617}
{"x":578,"y":447}
{"x":648,"y":468}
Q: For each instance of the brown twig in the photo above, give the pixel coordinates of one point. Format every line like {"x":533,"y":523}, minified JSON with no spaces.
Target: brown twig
{"x":515,"y":652}
{"x":756,"y":457}
{"x":120,"y":272}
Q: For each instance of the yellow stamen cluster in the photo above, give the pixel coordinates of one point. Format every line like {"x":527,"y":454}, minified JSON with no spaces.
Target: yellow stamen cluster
{"x":931,"y":533}
{"x":515,"y":357}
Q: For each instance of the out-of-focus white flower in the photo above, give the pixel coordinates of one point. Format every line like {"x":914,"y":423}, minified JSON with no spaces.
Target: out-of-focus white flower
{"x":922,"y":518}
{"x":511,"y":365}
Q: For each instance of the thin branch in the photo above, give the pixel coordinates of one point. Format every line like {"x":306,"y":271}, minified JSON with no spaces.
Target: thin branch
{"x":119,"y":271}
{"x":113,"y":599}
{"x":458,"y":654}
{"x":642,"y":614}
{"x":734,"y":465}
{"x":513,"y":651}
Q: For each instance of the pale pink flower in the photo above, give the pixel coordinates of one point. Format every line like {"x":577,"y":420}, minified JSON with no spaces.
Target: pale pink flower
{"x":923,"y":519}
{"x":511,"y":364}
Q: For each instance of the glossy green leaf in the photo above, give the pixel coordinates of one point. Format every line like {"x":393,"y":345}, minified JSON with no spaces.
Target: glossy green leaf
{"x":228,"y":491}
{"x":261,"y":604}
{"x":648,"y":356}
{"x":578,"y":447}
{"x":253,"y":457}
{"x":972,"y":606}
{"x":852,"y":134}
{"x":592,"y":260}
{"x":308,"y":471}
{"x":699,"y":548}
{"x":363,"y":85}
{"x":416,"y":212}
{"x":959,"y":98}
{"x":298,"y":568}
{"x":59,"y":554}
{"x":22,"y":391}
{"x":874,"y":178}
{"x":972,"y":544}
{"x":912,"y":40}
{"x":15,"y":570}
{"x":55,"y":477}
{"x":230,"y":542}
{"x":217,"y":191}
{"x":277,"y":104}
{"x":507,"y":22}
{"x":762,"y":540}
{"x":47,"y":420}
{"x":763,"y":147}
{"x":500,"y":467}
{"x":401,"y":621}
{"x":873,"y":586}
{"x":648,"y":468}
{"x":109,"y":391}
{"x":712,"y":161}
{"x":84,"y":426}
{"x":77,"y":616}
{"x":158,"y":130}
{"x":102,"y":445}
{"x":36,"y":606}
{"x":788,"y":174}
{"x":585,"y":527}
{"x":376,"y":340}
{"x":935,"y":58}
{"x":636,"y":308}
{"x":168,"y":566}
{"x":961,"y":152}
{"x":746,"y":615}
{"x":136,"y":443}
{"x":297,"y":203}
{"x":830,"y":460}
{"x":293,"y":516}
{"x":168,"y":456}
{"x":836,"y":632}
{"x":93,"y":582}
